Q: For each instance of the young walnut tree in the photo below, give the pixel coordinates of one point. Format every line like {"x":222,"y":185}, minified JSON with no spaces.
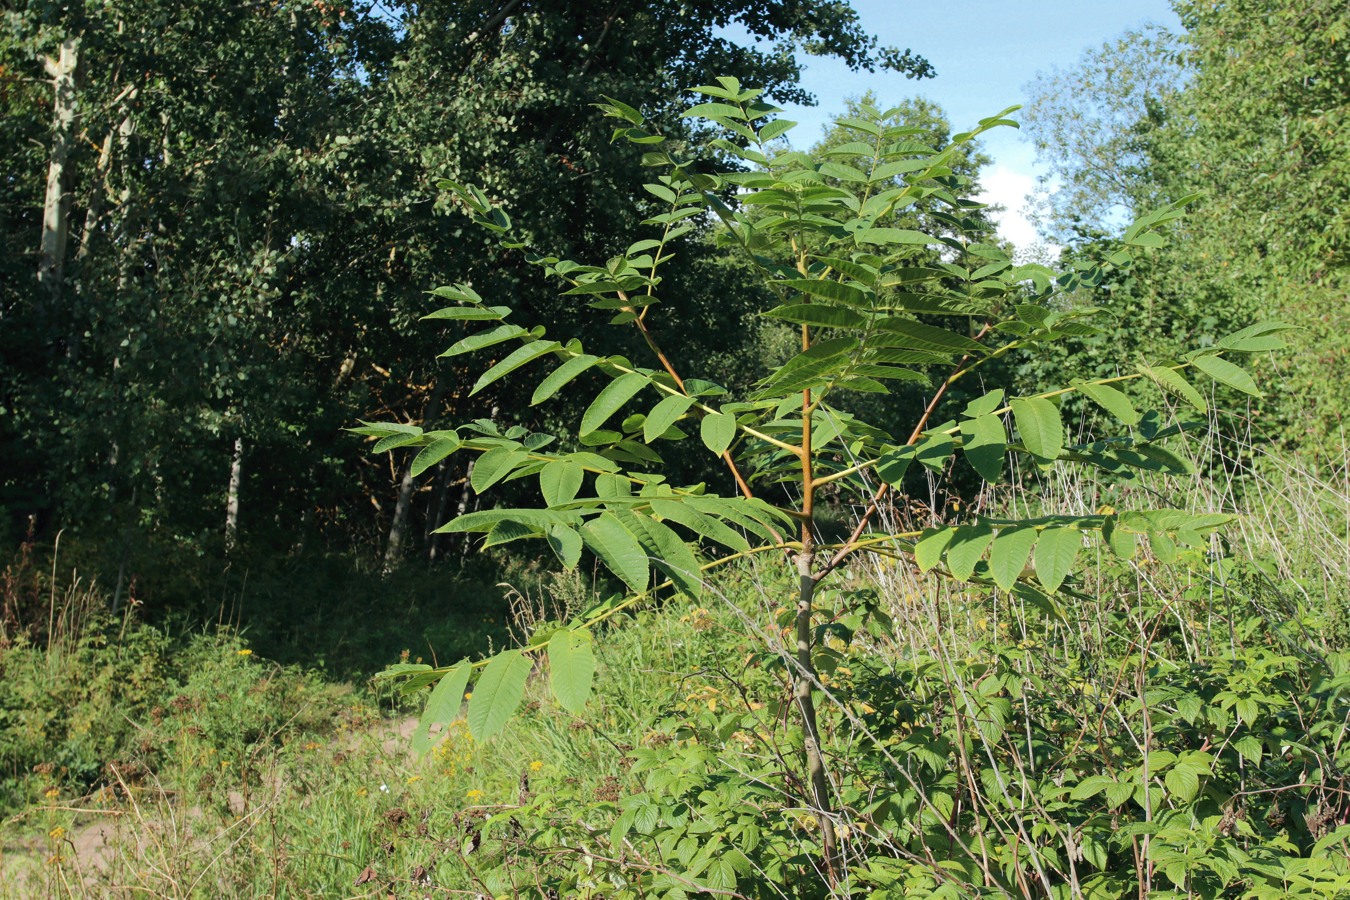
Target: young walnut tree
{"x":874,"y":304}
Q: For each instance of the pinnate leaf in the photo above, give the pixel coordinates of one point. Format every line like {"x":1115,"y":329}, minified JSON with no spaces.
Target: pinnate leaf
{"x":1038,"y":424}
{"x":433,"y":453}
{"x":1225,"y":372}
{"x":664,"y":415}
{"x":717,"y":431}
{"x":1056,"y":550}
{"x":966,"y":549}
{"x":442,"y":706}
{"x":618,"y":549}
{"x":984,"y":445}
{"x":560,"y":480}
{"x":562,"y":376}
{"x":571,"y":667}
{"x":498,"y":692}
{"x":1113,"y":401}
{"x":1008,"y":555}
{"x":611,"y":400}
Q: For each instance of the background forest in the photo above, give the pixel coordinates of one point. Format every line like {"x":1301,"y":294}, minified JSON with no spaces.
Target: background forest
{"x":220,"y":229}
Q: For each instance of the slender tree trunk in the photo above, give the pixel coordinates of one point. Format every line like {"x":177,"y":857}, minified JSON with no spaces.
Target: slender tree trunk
{"x":465,"y":495}
{"x":436,"y":517}
{"x":56,"y":207}
{"x":804,"y":684}
{"x":403,"y":508}
{"x":232,"y":495}
{"x":117,"y":139}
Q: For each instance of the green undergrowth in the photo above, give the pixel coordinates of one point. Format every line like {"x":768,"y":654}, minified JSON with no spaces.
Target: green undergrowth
{"x":1177,"y":729}
{"x":1186,"y":732}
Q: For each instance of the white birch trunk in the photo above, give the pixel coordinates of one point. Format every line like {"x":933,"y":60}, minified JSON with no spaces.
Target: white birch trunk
{"x":56,"y":207}
{"x":232,"y":495}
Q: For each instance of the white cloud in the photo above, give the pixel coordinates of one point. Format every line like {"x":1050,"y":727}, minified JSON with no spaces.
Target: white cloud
{"x":1009,"y":188}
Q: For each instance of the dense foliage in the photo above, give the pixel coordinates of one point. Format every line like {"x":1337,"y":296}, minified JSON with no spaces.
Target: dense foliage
{"x":828,"y":549}
{"x":220,"y":223}
{"x":1246,"y":107}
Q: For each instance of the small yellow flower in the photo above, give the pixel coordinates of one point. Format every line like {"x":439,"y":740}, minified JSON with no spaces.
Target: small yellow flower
{"x":469,"y":695}
{"x":414,"y":779}
{"x":536,"y":766}
{"x":244,"y":652}
{"x":360,"y":792}
{"x":57,"y":833}
{"x":52,"y":793}
{"x":474,"y":794}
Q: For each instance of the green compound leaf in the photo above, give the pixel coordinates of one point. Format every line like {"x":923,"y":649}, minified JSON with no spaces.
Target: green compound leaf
{"x":1039,"y":426}
{"x":819,"y":315}
{"x":672,"y":555}
{"x":442,"y":706}
{"x":1170,"y":381}
{"x":1056,"y":551}
{"x":560,"y":480}
{"x":700,"y":523}
{"x":471,"y":313}
{"x":984,"y":445}
{"x":967,"y":547}
{"x":433,"y":453}
{"x":1122,"y":543}
{"x":571,"y":666}
{"x":565,"y":544}
{"x":561,"y":377}
{"x":483,"y":339}
{"x":717,"y":431}
{"x":618,"y":549}
{"x":1113,"y":401}
{"x":394,"y":441}
{"x":494,"y":465}
{"x":983,"y":406}
{"x":1008,"y":555}
{"x":520,"y":357}
{"x":611,"y":400}
{"x":893,"y":465}
{"x":664,"y":415}
{"x":835,"y":291}
{"x":931,"y":545}
{"x":498,"y":692}
{"x":1225,"y":372}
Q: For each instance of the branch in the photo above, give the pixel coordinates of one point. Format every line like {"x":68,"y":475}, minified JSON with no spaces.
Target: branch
{"x":852,"y":543}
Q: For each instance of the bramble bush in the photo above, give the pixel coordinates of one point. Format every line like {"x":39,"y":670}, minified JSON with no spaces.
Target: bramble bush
{"x":873,"y":304}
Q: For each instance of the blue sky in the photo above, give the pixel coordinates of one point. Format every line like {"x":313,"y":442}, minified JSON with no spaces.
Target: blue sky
{"x":985,"y":52}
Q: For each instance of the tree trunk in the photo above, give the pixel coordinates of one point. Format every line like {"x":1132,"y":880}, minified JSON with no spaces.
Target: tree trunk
{"x":439,"y":501}
{"x":232,"y":496}
{"x":56,"y":207}
{"x":805,"y":682}
{"x":402,"y":509}
{"x":467,"y":492}
{"x":99,"y":195}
